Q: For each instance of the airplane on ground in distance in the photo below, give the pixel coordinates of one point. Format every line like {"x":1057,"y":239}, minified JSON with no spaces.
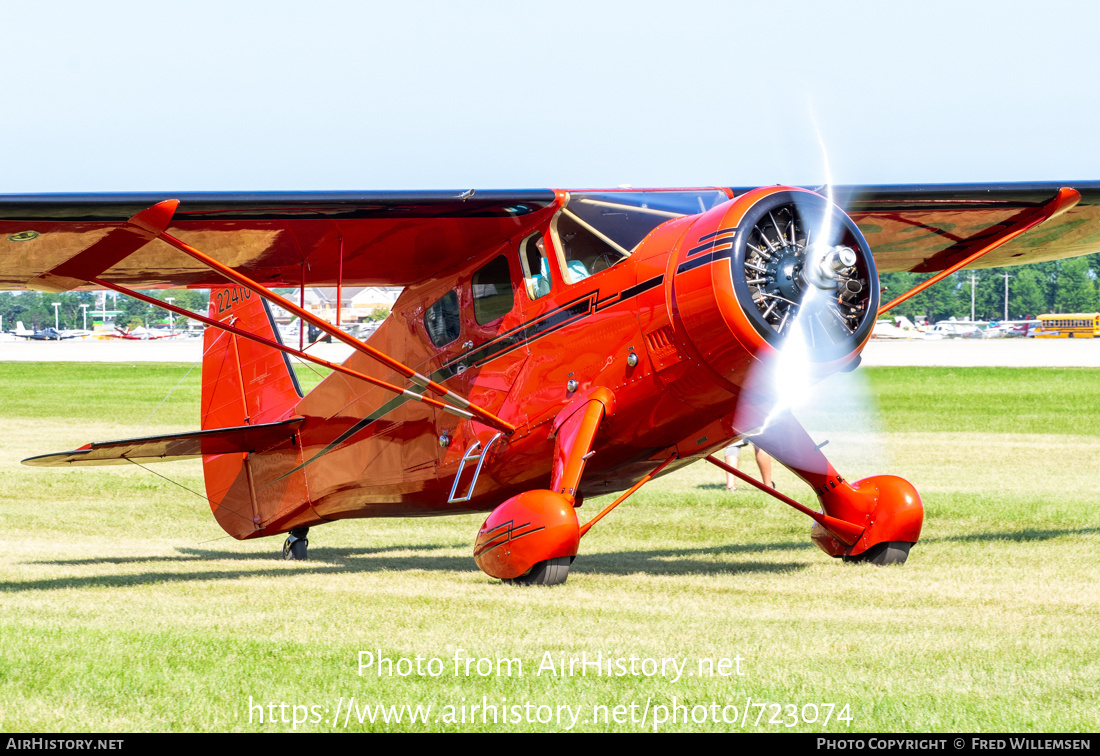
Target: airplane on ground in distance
{"x":46,"y":334}
{"x":997,"y":329}
{"x":952,"y":328}
{"x":1012,"y":329}
{"x":983,"y":329}
{"x":141,"y":333}
{"x":549,"y":346}
{"x":901,"y":327}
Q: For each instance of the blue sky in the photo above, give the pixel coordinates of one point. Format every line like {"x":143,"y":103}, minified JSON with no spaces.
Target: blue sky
{"x":126,"y":96}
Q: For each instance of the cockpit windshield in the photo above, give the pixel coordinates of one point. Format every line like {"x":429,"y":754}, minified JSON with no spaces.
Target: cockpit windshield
{"x":596,"y":230}
{"x":626,"y":217}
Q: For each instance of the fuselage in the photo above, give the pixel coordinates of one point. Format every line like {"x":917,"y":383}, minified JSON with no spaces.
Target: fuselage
{"x":622,"y":293}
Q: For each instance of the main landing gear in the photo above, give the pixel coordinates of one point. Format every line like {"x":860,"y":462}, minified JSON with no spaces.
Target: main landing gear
{"x":871,"y":521}
{"x":296,"y":544}
{"x":548,"y":572}
{"x":882,"y":554}
{"x":532,"y":538}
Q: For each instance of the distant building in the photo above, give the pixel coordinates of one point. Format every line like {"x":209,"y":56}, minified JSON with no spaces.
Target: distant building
{"x":357,"y":302}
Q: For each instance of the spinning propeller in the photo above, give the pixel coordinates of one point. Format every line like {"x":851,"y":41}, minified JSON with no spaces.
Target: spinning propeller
{"x":805,"y":278}
{"x":807,"y":281}
{"x":785,"y":265}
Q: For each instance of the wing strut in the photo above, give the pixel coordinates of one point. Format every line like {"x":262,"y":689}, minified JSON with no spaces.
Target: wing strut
{"x":116,"y":246}
{"x":420,"y":380}
{"x":151,"y":223}
{"x":1065,"y":199}
{"x":281,"y":347}
{"x":588,"y":525}
{"x":846,"y":532}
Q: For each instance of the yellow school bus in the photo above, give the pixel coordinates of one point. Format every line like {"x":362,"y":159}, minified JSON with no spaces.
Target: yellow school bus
{"x":1073,"y":325}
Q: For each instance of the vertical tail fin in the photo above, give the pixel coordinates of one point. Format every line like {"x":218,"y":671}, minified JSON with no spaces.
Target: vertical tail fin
{"x":246,"y":383}
{"x":243,"y":383}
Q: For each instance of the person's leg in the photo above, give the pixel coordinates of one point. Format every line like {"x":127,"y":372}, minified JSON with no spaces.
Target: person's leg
{"x":764,"y":462}
{"x":733,"y":456}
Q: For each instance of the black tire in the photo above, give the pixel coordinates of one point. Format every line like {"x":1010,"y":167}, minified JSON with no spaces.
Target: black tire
{"x":883,"y":554}
{"x":550,"y":572}
{"x":296,"y":546}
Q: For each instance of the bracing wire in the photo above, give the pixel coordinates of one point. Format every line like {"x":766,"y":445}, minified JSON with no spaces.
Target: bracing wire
{"x":162,"y":401}
{"x":191,"y":490}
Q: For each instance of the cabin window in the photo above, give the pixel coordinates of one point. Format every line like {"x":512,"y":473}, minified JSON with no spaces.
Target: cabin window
{"x":441,"y":320}
{"x":536,"y":268}
{"x":492,"y":287}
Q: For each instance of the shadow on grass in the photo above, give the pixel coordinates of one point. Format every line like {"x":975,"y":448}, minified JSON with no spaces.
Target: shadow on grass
{"x":324,"y":561}
{"x":203,"y":555}
{"x":737,"y":493}
{"x":1030,"y":534}
{"x":344,"y":561}
{"x":680,"y":561}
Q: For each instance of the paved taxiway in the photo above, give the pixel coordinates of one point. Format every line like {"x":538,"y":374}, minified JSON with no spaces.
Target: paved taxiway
{"x":946,"y":352}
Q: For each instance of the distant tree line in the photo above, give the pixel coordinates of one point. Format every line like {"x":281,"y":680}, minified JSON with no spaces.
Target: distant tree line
{"x":1058,"y":286}
{"x":36,"y":309}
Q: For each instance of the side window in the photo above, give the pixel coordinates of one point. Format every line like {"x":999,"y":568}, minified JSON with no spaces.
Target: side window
{"x":536,"y":268}
{"x":492,"y":288}
{"x":441,"y":320}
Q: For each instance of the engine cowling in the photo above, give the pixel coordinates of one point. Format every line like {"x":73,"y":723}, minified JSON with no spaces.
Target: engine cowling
{"x":770,"y":266}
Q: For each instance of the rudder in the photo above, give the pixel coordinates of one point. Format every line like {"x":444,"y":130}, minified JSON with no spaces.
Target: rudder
{"x":248,"y":383}
{"x":243,"y":382}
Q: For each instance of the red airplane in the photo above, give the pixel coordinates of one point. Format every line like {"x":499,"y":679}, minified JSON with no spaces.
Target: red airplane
{"x":548,"y":346}
{"x":129,"y":335}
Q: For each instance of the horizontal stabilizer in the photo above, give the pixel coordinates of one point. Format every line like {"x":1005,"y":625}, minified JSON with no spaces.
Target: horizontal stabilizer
{"x":244,"y":438}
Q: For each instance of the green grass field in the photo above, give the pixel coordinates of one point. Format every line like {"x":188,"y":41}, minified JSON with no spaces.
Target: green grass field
{"x":123,"y":606}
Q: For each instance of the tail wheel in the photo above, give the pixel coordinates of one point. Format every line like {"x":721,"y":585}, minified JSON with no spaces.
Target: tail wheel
{"x":296,"y":545}
{"x":550,"y":572}
{"x":882,"y":554}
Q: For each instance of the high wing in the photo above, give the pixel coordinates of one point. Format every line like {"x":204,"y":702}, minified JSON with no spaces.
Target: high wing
{"x":277,"y":238}
{"x":396,"y":239}
{"x":925,"y":229}
{"x":245,"y":438}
